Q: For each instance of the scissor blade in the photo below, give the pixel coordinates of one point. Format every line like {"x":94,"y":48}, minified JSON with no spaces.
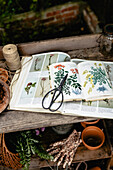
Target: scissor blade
{"x":63,"y":81}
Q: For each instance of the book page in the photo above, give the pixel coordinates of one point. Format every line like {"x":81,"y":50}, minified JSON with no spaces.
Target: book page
{"x":72,"y":87}
{"x":94,"y":109}
{"x":33,"y":82}
{"x":95,"y":80}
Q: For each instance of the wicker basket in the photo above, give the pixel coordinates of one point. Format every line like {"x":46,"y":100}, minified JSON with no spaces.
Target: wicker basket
{"x":8,"y":158}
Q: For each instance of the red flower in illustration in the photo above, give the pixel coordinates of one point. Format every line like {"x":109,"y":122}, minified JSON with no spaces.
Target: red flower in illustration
{"x":29,"y":84}
{"x":59,"y":66}
{"x":74,"y":70}
{"x":43,"y":79}
{"x":51,"y":55}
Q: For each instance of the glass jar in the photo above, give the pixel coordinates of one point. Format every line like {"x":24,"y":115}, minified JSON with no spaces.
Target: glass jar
{"x":106,"y":41}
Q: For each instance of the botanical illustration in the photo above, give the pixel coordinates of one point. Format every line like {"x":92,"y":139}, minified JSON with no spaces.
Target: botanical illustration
{"x":37,"y":63}
{"x":107,"y":103}
{"x":71,"y":80}
{"x":89,"y":103}
{"x":43,"y":87}
{"x":108,"y":69}
{"x":96,"y":75}
{"x":50,"y":58}
{"x":63,"y":57}
{"x":29,"y":86}
{"x":36,"y":68}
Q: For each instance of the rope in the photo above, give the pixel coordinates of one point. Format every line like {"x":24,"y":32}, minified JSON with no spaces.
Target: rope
{"x":18,"y":73}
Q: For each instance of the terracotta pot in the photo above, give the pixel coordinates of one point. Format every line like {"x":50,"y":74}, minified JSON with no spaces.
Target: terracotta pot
{"x":3,"y":74}
{"x":93,"y":137}
{"x":89,"y":123}
{"x":4,"y":95}
{"x":96,"y":168}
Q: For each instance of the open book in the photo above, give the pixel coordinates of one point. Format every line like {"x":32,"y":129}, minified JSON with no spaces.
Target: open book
{"x":87,"y":80}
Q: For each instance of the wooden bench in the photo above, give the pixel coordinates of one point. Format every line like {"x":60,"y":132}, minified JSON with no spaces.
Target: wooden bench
{"x":84,"y":47}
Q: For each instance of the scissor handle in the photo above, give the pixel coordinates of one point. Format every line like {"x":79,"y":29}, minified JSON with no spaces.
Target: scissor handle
{"x":53,"y":99}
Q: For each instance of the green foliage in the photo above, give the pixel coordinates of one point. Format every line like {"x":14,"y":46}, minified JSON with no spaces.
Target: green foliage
{"x":96,"y":75}
{"x":71,"y":81}
{"x":10,"y":7}
{"x":28,"y":87}
{"x":29,"y":144}
{"x":22,"y":31}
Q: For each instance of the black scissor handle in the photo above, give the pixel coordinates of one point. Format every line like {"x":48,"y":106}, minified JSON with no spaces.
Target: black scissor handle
{"x":53,"y":99}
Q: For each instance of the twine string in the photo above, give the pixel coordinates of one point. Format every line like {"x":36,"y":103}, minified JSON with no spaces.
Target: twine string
{"x":12,"y":57}
{"x":18,"y":73}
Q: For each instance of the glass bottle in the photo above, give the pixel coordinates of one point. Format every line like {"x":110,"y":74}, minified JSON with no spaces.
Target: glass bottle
{"x":106,"y":41}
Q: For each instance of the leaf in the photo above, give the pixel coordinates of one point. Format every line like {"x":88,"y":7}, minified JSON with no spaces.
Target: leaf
{"x":85,"y":84}
{"x":66,"y":72}
{"x":69,"y":82}
{"x":33,"y":85}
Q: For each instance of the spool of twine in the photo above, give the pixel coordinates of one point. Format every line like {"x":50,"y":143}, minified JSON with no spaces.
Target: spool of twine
{"x":11,"y":56}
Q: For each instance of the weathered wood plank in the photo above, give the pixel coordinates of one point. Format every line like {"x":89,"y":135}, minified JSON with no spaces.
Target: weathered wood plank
{"x":82,"y":153}
{"x":59,"y":44}
{"x":11,"y":121}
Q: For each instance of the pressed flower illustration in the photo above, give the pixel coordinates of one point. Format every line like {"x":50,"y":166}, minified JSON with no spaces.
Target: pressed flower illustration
{"x":96,"y":75}
{"x":42,"y":84}
{"x":108,"y":69}
{"x":28,"y":87}
{"x":50,"y":58}
{"x":36,"y":63}
{"x":67,"y":58}
{"x":70,"y":82}
{"x":50,"y":62}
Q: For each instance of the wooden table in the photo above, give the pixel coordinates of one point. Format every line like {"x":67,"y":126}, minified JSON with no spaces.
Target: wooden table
{"x":84,"y":47}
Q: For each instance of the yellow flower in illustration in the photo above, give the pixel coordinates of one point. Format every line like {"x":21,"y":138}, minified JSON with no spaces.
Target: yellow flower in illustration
{"x":91,"y":80}
{"x":90,"y":90}
{"x":93,"y":86}
{"x":91,"y":76}
{"x":95,"y":64}
{"x":85,"y":84}
{"x":100,"y":64}
{"x":85,"y":71}
{"x":88,"y":75}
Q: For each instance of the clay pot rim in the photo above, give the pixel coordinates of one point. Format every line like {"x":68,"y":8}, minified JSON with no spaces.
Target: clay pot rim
{"x":3,"y":74}
{"x":96,"y":168}
{"x":96,"y":128}
{"x":91,"y":122}
{"x":6,"y":98}
{"x":84,"y":124}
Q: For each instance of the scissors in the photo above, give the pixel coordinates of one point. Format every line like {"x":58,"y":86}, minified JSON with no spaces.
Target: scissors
{"x":56,"y":93}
